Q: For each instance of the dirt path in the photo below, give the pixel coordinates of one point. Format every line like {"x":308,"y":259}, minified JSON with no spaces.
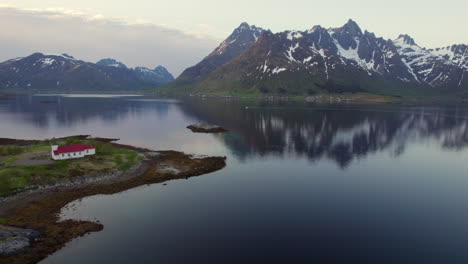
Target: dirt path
{"x":42,"y":158}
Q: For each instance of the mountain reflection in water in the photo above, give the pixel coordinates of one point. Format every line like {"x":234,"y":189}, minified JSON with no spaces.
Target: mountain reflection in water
{"x":341,"y":132}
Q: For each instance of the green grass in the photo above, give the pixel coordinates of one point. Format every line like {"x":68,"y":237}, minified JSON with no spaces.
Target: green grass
{"x":3,"y":221}
{"x":19,"y":177}
{"x":125,"y":160}
{"x":14,"y":153}
{"x":107,"y":158}
{"x":10,"y":150}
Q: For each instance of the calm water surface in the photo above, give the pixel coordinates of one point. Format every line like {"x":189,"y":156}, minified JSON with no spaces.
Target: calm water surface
{"x":304,"y":183}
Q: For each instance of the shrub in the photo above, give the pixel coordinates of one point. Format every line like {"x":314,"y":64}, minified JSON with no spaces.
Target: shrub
{"x":71,"y":141}
{"x":103,"y":148}
{"x":10,"y":150}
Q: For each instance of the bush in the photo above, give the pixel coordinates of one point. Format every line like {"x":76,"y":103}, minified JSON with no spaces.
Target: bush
{"x":10,"y":150}
{"x":103,"y":148}
{"x":71,"y":141}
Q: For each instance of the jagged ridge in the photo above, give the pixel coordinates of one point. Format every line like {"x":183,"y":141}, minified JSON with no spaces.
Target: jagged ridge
{"x":332,"y":60}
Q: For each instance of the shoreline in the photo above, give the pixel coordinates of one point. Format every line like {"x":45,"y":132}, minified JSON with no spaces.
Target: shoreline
{"x":323,"y":98}
{"x":39,"y":210}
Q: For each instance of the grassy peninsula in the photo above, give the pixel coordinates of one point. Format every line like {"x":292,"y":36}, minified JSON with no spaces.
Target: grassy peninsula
{"x":28,"y":167}
{"x":34,"y":216}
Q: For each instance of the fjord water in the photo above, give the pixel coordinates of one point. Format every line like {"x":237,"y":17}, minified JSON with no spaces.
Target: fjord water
{"x":332,"y":183}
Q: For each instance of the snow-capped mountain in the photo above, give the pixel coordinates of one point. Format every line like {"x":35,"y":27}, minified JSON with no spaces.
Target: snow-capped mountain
{"x":435,"y":67}
{"x":329,"y":51}
{"x":158,"y":74}
{"x":40,"y":72}
{"x":240,"y":40}
{"x":111,"y":63}
{"x":336,"y":60}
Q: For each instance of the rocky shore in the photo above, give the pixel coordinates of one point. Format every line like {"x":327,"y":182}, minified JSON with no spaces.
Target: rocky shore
{"x":32,"y":226}
{"x":16,"y":240}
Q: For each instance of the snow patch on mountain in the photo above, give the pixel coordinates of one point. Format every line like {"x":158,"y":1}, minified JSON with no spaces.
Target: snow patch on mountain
{"x":220,"y":50}
{"x":322,"y":53}
{"x":289,"y":53}
{"x":410,"y":70}
{"x":278,"y":70}
{"x":46,"y":62}
{"x":294,"y":35}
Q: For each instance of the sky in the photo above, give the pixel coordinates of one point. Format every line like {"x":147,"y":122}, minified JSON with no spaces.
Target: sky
{"x":179,"y":33}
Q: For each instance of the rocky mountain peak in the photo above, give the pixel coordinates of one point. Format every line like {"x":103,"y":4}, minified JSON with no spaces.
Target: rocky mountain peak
{"x":352,"y":28}
{"x":315,"y":28}
{"x":111,"y":63}
{"x":241,"y":39}
{"x":159,"y":74}
{"x":162,"y":70}
{"x":347,"y":35}
{"x":406,"y":39}
{"x":244,"y":26}
{"x":246,"y":32}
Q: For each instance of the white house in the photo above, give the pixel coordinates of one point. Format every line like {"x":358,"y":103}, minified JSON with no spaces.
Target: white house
{"x":72,"y":151}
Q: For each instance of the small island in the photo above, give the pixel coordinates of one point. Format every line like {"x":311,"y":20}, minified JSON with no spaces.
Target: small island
{"x":34,"y":186}
{"x":204,"y":128}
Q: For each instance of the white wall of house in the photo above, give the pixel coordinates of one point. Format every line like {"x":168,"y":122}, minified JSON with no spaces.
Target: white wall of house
{"x":72,"y":155}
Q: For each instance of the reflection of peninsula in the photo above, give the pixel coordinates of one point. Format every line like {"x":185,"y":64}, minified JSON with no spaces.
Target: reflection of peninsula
{"x":344,"y":135}
{"x":68,"y":111}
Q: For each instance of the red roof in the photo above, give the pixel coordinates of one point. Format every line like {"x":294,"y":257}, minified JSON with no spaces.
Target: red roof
{"x":72,"y":148}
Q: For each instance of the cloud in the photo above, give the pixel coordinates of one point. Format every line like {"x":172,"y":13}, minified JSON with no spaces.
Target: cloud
{"x":91,"y":37}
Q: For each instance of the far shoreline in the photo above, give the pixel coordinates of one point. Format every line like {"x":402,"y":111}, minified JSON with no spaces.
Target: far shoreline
{"x":318,"y":98}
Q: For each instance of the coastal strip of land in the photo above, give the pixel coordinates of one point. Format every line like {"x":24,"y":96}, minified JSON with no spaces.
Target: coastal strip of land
{"x":38,"y":210}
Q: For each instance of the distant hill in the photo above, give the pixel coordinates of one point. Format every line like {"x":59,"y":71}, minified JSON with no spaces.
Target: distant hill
{"x":321,"y":60}
{"x":63,"y":73}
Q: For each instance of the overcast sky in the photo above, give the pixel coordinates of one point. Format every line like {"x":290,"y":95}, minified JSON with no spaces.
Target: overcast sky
{"x":178,"y":33}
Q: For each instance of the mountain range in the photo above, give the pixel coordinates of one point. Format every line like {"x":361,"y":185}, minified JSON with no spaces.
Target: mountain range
{"x":63,"y":73}
{"x":326,"y":60}
{"x":253,"y":60}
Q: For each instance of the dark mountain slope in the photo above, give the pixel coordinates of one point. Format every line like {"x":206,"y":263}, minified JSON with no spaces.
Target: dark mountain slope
{"x":240,"y":40}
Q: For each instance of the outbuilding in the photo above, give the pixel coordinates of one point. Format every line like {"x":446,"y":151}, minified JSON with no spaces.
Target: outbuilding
{"x":73,"y":151}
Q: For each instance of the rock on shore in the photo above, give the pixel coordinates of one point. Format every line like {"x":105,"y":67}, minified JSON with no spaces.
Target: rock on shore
{"x":204,"y":128}
{"x":16,"y":240}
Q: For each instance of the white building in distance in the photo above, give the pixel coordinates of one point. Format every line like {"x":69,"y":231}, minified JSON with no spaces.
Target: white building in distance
{"x":72,"y":151}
